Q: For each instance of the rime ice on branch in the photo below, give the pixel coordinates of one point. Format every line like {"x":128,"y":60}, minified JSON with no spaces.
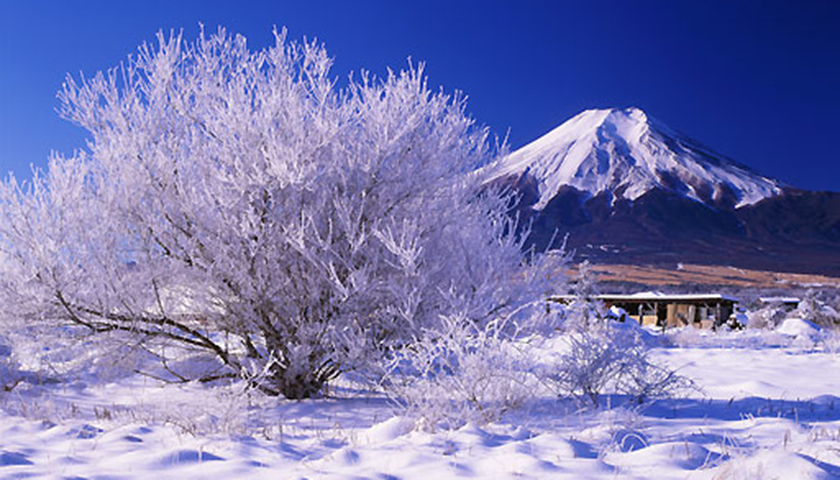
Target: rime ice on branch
{"x":237,"y":202}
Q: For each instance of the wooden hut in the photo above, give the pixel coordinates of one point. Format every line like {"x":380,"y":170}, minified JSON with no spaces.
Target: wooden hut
{"x":670,"y":310}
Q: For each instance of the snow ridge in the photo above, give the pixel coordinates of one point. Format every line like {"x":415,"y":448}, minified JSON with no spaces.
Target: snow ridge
{"x":627,"y":153}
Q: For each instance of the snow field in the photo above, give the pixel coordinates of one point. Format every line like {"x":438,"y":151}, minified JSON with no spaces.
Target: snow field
{"x":761,"y":412}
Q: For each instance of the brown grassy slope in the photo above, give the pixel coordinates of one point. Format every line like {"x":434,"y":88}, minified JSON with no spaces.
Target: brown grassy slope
{"x":690,"y":274}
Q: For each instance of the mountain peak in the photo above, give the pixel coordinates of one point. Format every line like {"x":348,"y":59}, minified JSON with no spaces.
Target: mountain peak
{"x":629,"y":114}
{"x":629,"y":123}
{"x":626,"y":153}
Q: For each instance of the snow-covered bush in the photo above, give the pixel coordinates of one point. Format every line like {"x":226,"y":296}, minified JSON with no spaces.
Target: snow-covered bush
{"x":9,"y":368}
{"x":606,"y":359}
{"x":817,"y":308}
{"x":831,"y":341}
{"x":584,"y":309}
{"x":462,"y":373}
{"x":767,"y":318}
{"x":603,"y":355}
{"x":237,"y":202}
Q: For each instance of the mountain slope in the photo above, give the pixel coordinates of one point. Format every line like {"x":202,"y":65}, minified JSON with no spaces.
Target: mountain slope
{"x":627,"y":189}
{"x":626,"y":153}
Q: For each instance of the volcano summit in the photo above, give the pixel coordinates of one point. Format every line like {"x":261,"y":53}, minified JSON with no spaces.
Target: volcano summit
{"x":629,"y":189}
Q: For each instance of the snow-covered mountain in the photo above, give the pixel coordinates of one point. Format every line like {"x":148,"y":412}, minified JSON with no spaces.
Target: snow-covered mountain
{"x":628,"y":189}
{"x":626,"y":153}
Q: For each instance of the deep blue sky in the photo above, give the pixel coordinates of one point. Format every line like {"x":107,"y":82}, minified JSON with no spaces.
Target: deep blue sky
{"x":757,"y":81}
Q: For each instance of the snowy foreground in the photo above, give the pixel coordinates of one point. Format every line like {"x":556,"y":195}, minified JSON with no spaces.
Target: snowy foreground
{"x":768,"y":407}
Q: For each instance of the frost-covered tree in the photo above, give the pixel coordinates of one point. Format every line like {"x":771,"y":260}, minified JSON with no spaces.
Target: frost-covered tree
{"x":585,"y":308}
{"x":603,"y":355}
{"x":609,"y":356}
{"x":239,"y":203}
{"x":816,"y":307}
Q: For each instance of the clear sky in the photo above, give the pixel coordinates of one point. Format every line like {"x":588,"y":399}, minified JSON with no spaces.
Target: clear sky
{"x":758,"y":81}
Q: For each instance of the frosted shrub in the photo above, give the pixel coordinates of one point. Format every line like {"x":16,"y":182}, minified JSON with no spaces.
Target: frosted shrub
{"x":475,"y":370}
{"x":602,"y":358}
{"x":817,"y":308}
{"x":686,"y":337}
{"x":461,"y":373}
{"x":584,"y":310}
{"x":767,"y":318}
{"x":831,"y":341}
{"x":9,"y":368}
{"x":238,"y":203}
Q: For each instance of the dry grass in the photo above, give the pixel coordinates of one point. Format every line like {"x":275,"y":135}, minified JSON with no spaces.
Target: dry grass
{"x":708,"y":275}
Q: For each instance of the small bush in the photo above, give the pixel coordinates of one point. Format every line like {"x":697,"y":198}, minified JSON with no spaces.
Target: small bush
{"x":767,"y":318}
{"x":817,"y":308}
{"x":461,"y":374}
{"x":603,"y":358}
{"x":9,"y":374}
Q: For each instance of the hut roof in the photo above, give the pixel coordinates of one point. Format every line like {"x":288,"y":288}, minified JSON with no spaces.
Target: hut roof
{"x":657,"y":297}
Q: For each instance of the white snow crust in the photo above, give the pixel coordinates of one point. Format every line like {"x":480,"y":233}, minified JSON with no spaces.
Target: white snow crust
{"x":765,"y":408}
{"x":627,"y":153}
